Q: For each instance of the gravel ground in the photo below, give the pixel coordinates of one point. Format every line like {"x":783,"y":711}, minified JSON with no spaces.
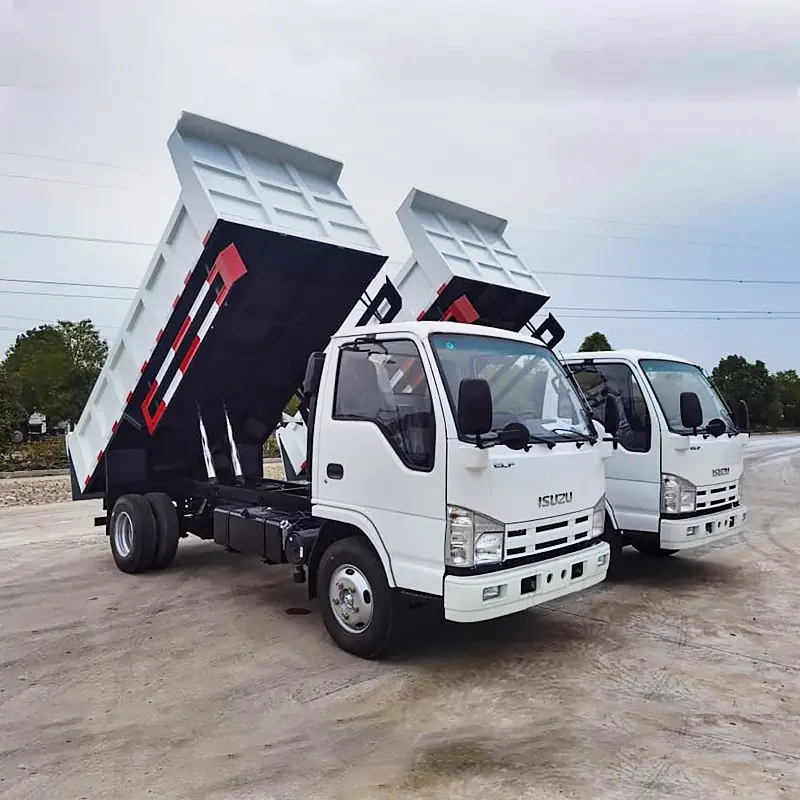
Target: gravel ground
{"x":43,"y":491}
{"x":679,"y":681}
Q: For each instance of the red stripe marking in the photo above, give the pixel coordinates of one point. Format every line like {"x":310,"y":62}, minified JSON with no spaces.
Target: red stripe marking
{"x":100,"y":455}
{"x":181,"y":333}
{"x":461,"y":310}
{"x":187,"y":359}
{"x":150,"y":420}
{"x":115,"y":427}
{"x":159,"y":335}
{"x":144,"y":367}
{"x":441,"y":288}
{"x":129,"y":397}
{"x":187,"y":278}
{"x":420,"y":315}
{"x":176,"y":301}
{"x":86,"y":482}
{"x":230,"y":267}
{"x":206,"y":238}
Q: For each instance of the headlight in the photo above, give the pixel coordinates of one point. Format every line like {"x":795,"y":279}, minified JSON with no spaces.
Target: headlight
{"x":678,"y":496}
{"x":472,"y":539}
{"x":599,"y":517}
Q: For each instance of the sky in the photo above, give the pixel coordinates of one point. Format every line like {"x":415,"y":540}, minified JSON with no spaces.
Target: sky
{"x":618,"y":140}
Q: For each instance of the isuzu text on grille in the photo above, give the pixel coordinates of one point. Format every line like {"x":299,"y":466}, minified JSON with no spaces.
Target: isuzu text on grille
{"x":560,"y":499}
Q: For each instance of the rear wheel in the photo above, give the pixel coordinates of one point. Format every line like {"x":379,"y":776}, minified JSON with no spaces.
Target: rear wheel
{"x":357,"y":604}
{"x":168,"y":526}
{"x":133,"y":534}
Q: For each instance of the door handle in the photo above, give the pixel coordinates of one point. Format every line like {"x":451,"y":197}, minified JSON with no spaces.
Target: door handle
{"x":335,"y":471}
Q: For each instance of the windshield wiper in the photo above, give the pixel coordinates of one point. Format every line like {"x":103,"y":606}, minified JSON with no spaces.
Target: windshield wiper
{"x":573,"y":436}
{"x":532,"y":438}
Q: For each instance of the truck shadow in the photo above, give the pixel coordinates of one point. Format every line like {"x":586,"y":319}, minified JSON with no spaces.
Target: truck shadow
{"x":677,"y":571}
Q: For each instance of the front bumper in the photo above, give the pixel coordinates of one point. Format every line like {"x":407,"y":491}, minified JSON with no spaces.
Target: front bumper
{"x":683,"y":534}
{"x":523,"y":587}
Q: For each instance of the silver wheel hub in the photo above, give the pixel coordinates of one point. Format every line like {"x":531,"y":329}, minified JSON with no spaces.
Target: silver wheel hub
{"x":123,"y":534}
{"x":351,"y":598}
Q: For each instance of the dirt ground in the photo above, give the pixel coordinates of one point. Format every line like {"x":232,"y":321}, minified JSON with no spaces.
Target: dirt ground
{"x":681,"y":680}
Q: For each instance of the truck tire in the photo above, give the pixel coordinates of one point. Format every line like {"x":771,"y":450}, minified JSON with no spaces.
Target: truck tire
{"x":653,"y":549}
{"x":168,"y":526}
{"x":133,"y":534}
{"x":615,"y":542}
{"x":356,"y":602}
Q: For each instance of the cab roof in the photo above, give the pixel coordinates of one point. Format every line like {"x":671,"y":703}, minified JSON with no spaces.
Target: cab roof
{"x":629,"y":354}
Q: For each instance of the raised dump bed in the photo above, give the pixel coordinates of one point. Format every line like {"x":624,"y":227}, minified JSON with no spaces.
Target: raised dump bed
{"x":261,"y":261}
{"x":461,"y":268}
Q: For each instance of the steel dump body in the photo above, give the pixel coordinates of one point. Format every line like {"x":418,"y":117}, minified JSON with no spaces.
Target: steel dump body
{"x":261,"y":261}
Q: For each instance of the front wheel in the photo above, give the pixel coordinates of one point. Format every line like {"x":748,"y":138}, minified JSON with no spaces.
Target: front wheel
{"x":357,"y":604}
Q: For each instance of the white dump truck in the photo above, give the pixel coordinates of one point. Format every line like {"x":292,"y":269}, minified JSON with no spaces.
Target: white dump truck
{"x":674,"y":481}
{"x":443,"y":461}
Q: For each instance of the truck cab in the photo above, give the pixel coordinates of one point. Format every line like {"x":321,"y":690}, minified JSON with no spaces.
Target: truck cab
{"x":428,"y":438}
{"x":674,"y":481}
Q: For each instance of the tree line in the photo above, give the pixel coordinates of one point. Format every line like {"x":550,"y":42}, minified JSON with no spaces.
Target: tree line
{"x":52,"y":369}
{"x":49,"y":370}
{"x":773,"y":398}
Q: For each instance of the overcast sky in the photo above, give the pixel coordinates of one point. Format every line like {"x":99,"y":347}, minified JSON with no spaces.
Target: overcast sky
{"x":616,"y":138}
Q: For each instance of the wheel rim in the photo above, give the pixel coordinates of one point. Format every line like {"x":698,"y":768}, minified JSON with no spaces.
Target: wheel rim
{"x":351,"y":598}
{"x":123,"y":534}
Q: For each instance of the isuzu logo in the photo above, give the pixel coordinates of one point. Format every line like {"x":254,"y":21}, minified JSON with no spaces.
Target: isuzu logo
{"x":720,"y":472}
{"x":560,"y":499}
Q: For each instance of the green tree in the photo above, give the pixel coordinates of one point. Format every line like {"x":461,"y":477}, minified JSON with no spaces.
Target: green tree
{"x":737,"y":379}
{"x":595,"y":342}
{"x":52,"y":368}
{"x":787,"y":384}
{"x":12,"y":415}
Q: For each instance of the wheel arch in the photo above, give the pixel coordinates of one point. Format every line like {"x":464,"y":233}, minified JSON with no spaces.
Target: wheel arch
{"x":340,"y":524}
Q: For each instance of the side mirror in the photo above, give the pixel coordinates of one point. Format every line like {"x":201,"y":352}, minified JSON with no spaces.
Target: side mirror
{"x":742,"y":416}
{"x":691,"y":411}
{"x":716,"y":428}
{"x":611,"y":416}
{"x":515,"y":436}
{"x":474,"y":407}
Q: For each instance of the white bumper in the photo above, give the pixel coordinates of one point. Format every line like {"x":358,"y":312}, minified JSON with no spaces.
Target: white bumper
{"x":683,"y":534}
{"x":523,"y":587}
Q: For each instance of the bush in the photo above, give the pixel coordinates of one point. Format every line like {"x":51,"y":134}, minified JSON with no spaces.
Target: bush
{"x":47,"y":453}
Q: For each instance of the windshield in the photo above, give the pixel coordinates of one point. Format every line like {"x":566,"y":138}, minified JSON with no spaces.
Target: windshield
{"x":670,"y":378}
{"x":527,"y":382}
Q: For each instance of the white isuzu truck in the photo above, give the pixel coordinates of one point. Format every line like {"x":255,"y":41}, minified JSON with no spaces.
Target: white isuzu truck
{"x":674,"y":481}
{"x":445,"y":462}
{"x":674,"y":477}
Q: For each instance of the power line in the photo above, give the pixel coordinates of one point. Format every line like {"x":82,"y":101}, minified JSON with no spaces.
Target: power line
{"x":669,"y":310}
{"x":80,"y":183}
{"x":69,"y":283}
{"x":59,"y":294}
{"x":676,"y":278}
{"x":40,"y":235}
{"x":673,"y":318}
{"x":44,"y":157}
{"x":51,"y":321}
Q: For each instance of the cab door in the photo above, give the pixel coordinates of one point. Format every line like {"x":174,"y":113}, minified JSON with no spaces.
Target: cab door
{"x":380,"y":453}
{"x":633,"y":472}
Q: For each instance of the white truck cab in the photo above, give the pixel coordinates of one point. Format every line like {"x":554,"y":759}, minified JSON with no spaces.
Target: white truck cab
{"x":674,"y":481}
{"x":418,"y":441}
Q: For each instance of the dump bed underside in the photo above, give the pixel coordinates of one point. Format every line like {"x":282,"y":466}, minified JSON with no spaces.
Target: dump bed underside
{"x":260,"y":263}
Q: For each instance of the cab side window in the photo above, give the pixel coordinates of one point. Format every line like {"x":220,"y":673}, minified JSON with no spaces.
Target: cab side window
{"x":604,"y":383}
{"x":385,"y":384}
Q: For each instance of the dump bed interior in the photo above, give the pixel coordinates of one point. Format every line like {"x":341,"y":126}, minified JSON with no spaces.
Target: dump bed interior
{"x":261,"y":261}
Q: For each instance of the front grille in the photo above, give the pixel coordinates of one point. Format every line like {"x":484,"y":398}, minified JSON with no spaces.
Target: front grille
{"x":547,"y":535}
{"x":723,"y":495}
